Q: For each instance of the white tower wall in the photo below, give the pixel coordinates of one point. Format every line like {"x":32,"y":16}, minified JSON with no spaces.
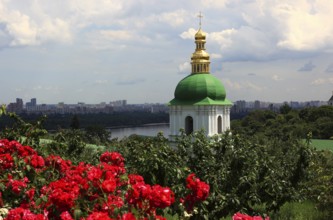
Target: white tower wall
{"x":204,"y":117}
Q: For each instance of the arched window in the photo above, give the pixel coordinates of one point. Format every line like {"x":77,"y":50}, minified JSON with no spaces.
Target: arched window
{"x":188,"y":125}
{"x":219,"y":125}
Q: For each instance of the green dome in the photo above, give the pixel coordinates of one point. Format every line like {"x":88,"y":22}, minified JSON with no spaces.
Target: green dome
{"x":200,"y":89}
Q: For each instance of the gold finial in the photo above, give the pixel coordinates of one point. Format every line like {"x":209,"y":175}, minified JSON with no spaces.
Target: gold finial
{"x":200,"y":16}
{"x":200,"y":58}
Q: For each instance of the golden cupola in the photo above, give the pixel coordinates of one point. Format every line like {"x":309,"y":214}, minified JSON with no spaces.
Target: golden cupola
{"x":200,"y":58}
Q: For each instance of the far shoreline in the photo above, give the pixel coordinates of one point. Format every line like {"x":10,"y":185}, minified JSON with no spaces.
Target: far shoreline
{"x":133,"y":126}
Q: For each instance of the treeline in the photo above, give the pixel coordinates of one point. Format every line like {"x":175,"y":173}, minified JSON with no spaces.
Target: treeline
{"x":64,"y":121}
{"x":316,"y":122}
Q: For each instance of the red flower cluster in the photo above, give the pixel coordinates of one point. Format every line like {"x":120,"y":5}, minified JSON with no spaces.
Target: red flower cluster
{"x":112,"y":157}
{"x":6,"y":161}
{"x":240,"y":216}
{"x":199,"y":191}
{"x":53,"y":188}
{"x":148,"y":198}
{"x":24,"y":214}
{"x":16,"y":185}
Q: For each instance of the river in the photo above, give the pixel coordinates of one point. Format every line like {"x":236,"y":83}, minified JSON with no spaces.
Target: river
{"x":145,"y":130}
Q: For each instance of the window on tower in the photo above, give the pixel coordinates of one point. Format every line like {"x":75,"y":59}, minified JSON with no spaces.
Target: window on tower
{"x":188,"y":125}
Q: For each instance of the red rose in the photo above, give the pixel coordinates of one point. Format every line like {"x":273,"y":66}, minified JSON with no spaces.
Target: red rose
{"x":161,"y":197}
{"x":112,"y":203}
{"x":6,"y":161}
{"x":240,"y":216}
{"x":94,"y":174}
{"x":112,"y":157}
{"x":108,"y":186}
{"x":17,"y":185}
{"x":199,"y":191}
{"x":66,"y":216}
{"x":30,"y":193}
{"x":37,"y":161}
{"x":24,"y":214}
{"x":128,"y":216}
{"x":133,"y":179}
{"x":98,"y":216}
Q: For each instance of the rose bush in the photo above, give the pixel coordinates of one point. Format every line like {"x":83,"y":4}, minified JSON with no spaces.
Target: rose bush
{"x":240,"y":216}
{"x":34,"y":187}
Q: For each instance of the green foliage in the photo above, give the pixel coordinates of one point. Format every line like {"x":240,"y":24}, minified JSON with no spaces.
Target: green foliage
{"x":72,"y":144}
{"x":285,"y":109}
{"x":97,"y":134}
{"x":320,"y":120}
{"x":75,"y":122}
{"x":289,"y":124}
{"x":244,"y":174}
{"x":26,"y":133}
{"x":257,"y":169}
{"x":154,"y":160}
{"x":299,"y":211}
{"x":320,"y":185}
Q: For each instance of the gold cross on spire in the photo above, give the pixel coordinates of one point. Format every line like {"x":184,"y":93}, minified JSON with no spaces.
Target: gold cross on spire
{"x":200,"y":16}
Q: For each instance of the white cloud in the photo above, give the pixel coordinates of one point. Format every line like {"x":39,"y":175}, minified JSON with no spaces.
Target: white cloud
{"x":21,"y":29}
{"x":115,"y":39}
{"x":214,"y":3}
{"x":223,"y":38}
{"x":246,"y":85}
{"x":54,"y":89}
{"x":307,"y":25}
{"x":128,"y":80}
{"x":101,"y":82}
{"x":91,"y":10}
{"x":28,"y":29}
{"x":215,"y":56}
{"x":276,"y":77}
{"x":253,"y":86}
{"x":174,"y":19}
{"x":322,"y":81}
{"x":245,"y":43}
{"x":55,"y":30}
{"x":265,"y":30}
{"x":117,"y":34}
{"x":184,"y":68}
{"x":232,"y":85}
{"x":189,"y":34}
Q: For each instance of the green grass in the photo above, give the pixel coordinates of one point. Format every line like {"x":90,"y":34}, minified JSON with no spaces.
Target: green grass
{"x":299,"y":211}
{"x":322,"y":144}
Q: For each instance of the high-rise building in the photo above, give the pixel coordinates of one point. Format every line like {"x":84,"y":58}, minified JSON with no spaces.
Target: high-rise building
{"x":16,"y":107}
{"x":200,"y":98}
{"x":33,"y":102}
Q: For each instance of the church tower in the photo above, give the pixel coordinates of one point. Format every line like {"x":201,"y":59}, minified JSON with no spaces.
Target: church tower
{"x":200,"y":98}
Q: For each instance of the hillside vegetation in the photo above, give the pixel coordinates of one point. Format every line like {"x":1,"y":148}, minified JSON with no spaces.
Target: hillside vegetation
{"x":314,"y":121}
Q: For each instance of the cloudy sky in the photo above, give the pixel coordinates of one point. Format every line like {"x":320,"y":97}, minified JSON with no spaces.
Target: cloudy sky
{"x":102,"y":50}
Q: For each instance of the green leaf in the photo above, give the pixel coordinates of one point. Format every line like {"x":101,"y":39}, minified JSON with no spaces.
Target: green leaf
{"x":44,"y":198}
{"x":38,"y":201}
{"x":28,"y":167}
{"x":77,"y":214}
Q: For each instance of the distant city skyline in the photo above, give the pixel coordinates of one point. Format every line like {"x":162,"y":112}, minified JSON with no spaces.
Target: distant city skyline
{"x":99,"y":51}
{"x":239,"y":106}
{"x":35,"y":101}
